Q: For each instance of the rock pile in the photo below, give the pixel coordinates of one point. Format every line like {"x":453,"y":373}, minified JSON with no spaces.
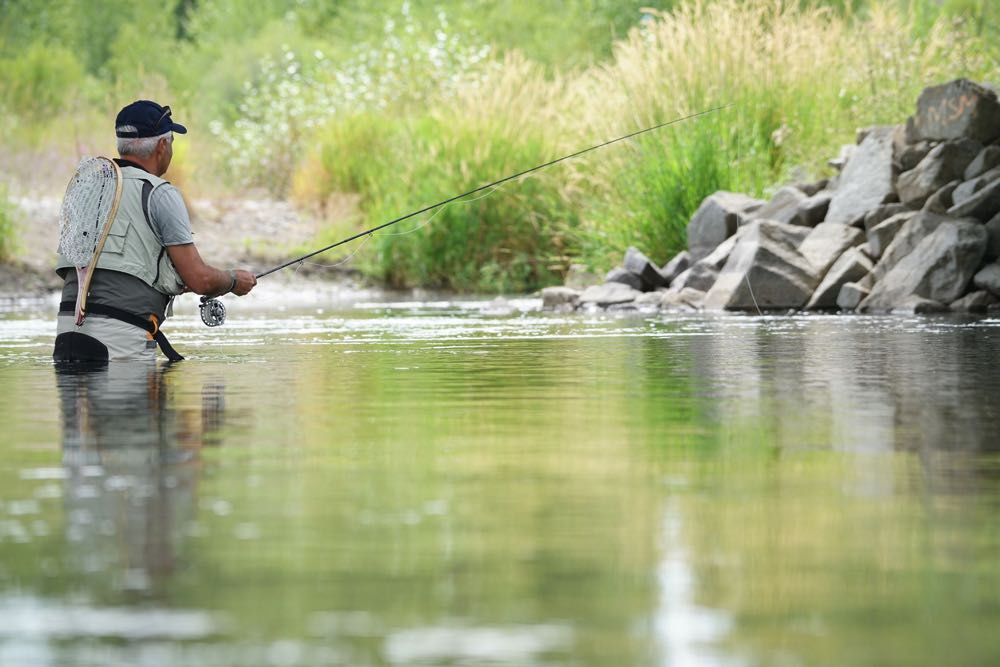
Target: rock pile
{"x":911,"y":223}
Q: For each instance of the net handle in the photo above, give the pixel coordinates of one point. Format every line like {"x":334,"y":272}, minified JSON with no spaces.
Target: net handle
{"x":85,"y":287}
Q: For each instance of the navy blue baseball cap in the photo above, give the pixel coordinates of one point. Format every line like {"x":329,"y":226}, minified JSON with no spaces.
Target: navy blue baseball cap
{"x":149,"y":120}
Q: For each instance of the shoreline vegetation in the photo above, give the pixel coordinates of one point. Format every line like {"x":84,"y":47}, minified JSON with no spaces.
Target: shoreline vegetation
{"x":356,"y":113}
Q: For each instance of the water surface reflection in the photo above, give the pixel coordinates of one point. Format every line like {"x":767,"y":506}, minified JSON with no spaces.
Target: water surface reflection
{"x":475,"y":484}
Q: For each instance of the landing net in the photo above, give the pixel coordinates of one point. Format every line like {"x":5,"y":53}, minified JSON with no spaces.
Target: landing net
{"x":86,"y":209}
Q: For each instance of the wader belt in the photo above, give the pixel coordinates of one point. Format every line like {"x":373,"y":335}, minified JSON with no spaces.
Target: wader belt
{"x":69,"y":307}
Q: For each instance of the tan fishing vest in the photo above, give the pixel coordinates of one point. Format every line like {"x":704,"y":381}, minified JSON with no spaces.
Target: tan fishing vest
{"x":132,"y":246}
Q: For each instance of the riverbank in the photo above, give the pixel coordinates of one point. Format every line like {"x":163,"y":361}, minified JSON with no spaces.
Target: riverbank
{"x":255,"y":232}
{"x":910,"y":223}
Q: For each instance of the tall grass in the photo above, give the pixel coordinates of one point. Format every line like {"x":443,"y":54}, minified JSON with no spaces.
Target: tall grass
{"x":509,"y":239}
{"x":7,"y":236}
{"x":799,"y":79}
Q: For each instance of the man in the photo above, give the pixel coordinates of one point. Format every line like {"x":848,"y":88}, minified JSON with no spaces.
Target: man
{"x":148,"y":259}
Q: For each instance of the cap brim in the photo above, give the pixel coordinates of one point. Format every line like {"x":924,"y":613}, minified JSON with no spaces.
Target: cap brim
{"x":178,"y":128}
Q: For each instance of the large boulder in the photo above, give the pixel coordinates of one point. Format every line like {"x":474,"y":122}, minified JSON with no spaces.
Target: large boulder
{"x":939,"y":268}
{"x":941,"y":201}
{"x":764,"y":270}
{"x":909,"y":235}
{"x":988,"y":279}
{"x":973,"y":302}
{"x":717,"y":218}
{"x":686,"y":298}
{"x":907,"y":151}
{"x":957,"y":109}
{"x":882,"y":234}
{"x":982,"y":205}
{"x":881,"y":213}
{"x":625,"y":277}
{"x":987,"y":159}
{"x":965,"y":190}
{"x":851,"y":295}
{"x":703,"y":273}
{"x":608,"y":294}
{"x":812,"y":210}
{"x":850,"y":267}
{"x":945,"y":163}
{"x":993,"y":229}
{"x":866,"y":180}
{"x":827,"y":242}
{"x":639,"y":264}
{"x":680,"y":263}
{"x":782,"y":207}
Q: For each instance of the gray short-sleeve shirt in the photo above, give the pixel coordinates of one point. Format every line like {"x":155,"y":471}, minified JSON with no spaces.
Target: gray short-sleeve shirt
{"x":169,"y":216}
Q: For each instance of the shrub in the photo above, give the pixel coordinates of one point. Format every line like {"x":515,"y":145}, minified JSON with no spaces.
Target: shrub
{"x":7,"y":235}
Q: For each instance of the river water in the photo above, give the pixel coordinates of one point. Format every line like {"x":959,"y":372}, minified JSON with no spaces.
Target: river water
{"x":480,"y":483}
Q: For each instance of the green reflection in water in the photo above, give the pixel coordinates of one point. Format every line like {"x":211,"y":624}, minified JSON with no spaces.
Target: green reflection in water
{"x":443,"y":488}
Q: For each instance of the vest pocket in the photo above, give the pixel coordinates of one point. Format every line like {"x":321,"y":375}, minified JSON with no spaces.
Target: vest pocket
{"x":115,"y":243}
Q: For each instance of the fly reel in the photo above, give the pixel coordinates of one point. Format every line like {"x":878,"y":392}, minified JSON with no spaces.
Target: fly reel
{"x":213,"y":313}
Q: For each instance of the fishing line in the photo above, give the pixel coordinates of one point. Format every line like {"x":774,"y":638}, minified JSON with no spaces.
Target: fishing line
{"x":486,"y":187}
{"x":409,"y":231}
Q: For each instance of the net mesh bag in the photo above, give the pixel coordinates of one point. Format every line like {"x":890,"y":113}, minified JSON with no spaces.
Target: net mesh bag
{"x":86,"y":209}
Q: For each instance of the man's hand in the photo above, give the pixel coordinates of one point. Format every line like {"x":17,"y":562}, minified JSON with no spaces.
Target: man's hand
{"x":202,"y":278}
{"x":245,"y":281}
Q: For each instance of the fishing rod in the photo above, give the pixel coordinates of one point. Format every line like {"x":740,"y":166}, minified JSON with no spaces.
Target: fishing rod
{"x":213,"y":313}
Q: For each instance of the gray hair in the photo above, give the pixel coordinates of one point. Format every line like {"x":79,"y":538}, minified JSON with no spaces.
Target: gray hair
{"x":139,"y":146}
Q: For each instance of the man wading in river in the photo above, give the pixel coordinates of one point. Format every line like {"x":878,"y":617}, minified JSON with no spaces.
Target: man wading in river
{"x":148,"y":259}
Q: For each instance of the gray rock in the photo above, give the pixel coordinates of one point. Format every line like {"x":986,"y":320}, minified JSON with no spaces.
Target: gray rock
{"x":967,"y":189}
{"x":939,"y":268}
{"x":702,"y":276}
{"x":680,"y":263}
{"x":683,"y":299}
{"x":556,"y":298}
{"x":846,"y":152}
{"x":993,"y":229}
{"x":906,"y":239}
{"x":704,"y":272}
{"x":907,"y":156}
{"x":680,"y":281}
{"x":941,"y":201}
{"x":881,"y":235}
{"x":625,"y":277}
{"x":811,"y":189}
{"x":608,"y":294}
{"x":946,"y":162}
{"x":866,"y":180}
{"x":826,"y":243}
{"x":716,"y":219}
{"x":958,"y":109}
{"x":812,"y":210}
{"x":764,"y":270}
{"x":580,"y":277}
{"x":639,"y":264}
{"x":882,"y":213}
{"x":987,"y":159}
{"x":649,"y":298}
{"x":782,"y":207}
{"x":983,"y":205}
{"x":851,"y":266}
{"x":988,"y":279}
{"x":974,"y":302}
{"x":918,"y":305}
{"x":851,"y":295}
